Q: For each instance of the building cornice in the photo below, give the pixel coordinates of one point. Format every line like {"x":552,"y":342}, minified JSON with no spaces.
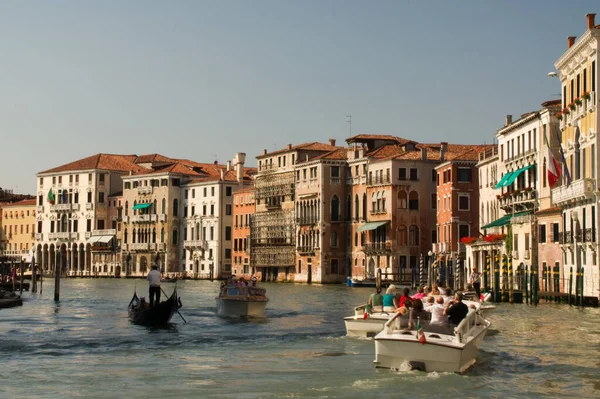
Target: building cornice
{"x":582,"y":48}
{"x":517,"y":124}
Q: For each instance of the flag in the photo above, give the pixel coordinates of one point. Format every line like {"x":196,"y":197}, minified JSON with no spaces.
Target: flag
{"x":420,"y":334}
{"x":564,"y":161}
{"x":51,"y":197}
{"x":552,"y":164}
{"x":365,"y":315}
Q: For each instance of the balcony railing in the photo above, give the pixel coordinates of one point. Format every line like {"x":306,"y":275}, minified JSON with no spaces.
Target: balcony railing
{"x":142,"y":246}
{"x":162,"y":218}
{"x":303,"y":250}
{"x":40,"y":209}
{"x":194,"y":244}
{"x":589,"y":235}
{"x":64,"y":207}
{"x":591,"y":103}
{"x":377,"y":246}
{"x":378,"y":180}
{"x":143,"y":218}
{"x":579,"y":190}
{"x":161,"y":246}
{"x":144,"y":190}
{"x":306,"y":221}
{"x":63,"y":236}
{"x":39,"y":237}
{"x":89,"y":206}
{"x":105,"y":232}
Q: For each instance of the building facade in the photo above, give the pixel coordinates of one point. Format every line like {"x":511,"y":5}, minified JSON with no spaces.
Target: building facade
{"x":244,"y":207}
{"x":18,"y":227}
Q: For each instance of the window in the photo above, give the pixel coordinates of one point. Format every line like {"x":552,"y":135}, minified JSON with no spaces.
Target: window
{"x":463,"y":231}
{"x":465,"y":175}
{"x":542,"y":238}
{"x":334,"y":266}
{"x":402,"y":174}
{"x":100,"y":224}
{"x":515,"y":242}
{"x":228,"y":209}
{"x":175,"y":207}
{"x":334,"y":241}
{"x":335,"y":171}
{"x":228,"y":191}
{"x":174,"y":242}
{"x":39,"y":227}
{"x":89,"y":197}
{"x":299,"y":266}
{"x":88,"y":225}
{"x":212,"y":232}
{"x":335,"y":209}
{"x":227,"y":233}
{"x":204,"y":210}
{"x":227,"y":253}
{"x":176,"y":182}
{"x":101,"y":196}
{"x":433,"y":201}
{"x":212,"y":210}
{"x":413,"y":200}
{"x":413,"y":235}
{"x":212,"y":191}
{"x":433,"y":175}
{"x":193,"y":193}
{"x":40,"y":200}
{"x":414,"y":175}
{"x":463,"y":202}
{"x":526,"y":241}
{"x":59,"y":179}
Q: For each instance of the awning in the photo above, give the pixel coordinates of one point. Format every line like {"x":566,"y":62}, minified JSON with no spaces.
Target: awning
{"x":102,"y":239}
{"x":515,"y":174}
{"x":93,"y":239}
{"x":370,"y":226}
{"x":141,"y":206}
{"x":504,"y":220}
{"x":503,"y":180}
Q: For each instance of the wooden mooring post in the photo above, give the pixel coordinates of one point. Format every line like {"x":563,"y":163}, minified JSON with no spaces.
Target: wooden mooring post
{"x":497,"y":278}
{"x":511,"y":292}
{"x":22,"y":277}
{"x":33,"y":288}
{"x":526,"y":283}
{"x":582,"y":289}
{"x":57,"y":278}
{"x":570,"y":285}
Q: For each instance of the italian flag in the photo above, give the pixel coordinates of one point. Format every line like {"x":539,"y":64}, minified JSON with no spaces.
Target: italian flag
{"x":50,"y":197}
{"x":553,"y":166}
{"x":420,"y":334}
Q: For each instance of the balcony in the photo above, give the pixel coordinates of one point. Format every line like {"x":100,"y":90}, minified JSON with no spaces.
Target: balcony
{"x":63,"y":236}
{"x":64,"y":208}
{"x":39,"y":237}
{"x":161,"y":246}
{"x":126,"y":219}
{"x":377,"y":247}
{"x":105,"y":232}
{"x":144,"y":190}
{"x":335,"y":180}
{"x":89,"y":206}
{"x":141,"y":246}
{"x":526,"y":255}
{"x":515,"y":254}
{"x":590,"y":104}
{"x":143,"y":218}
{"x":378,"y":180}
{"x":195,"y":244}
{"x":520,"y":200}
{"x":306,"y":221}
{"x":579,"y":190}
{"x":306,"y":250}
{"x":162,"y":218}
{"x":40,"y":209}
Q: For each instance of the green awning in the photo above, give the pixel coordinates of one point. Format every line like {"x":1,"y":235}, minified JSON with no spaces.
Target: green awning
{"x":503,"y":180}
{"x":370,"y":226}
{"x":504,"y":220}
{"x":515,"y":174}
{"x":141,"y":206}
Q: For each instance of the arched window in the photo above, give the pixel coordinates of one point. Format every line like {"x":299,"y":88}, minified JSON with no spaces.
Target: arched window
{"x":373,"y":203}
{"x":402,"y":199}
{"x":125,"y":236}
{"x":335,"y":209}
{"x":154,"y":235}
{"x":63,"y":224}
{"x":163,"y":206}
{"x":162,"y":235}
{"x":133,"y":236}
{"x":402,"y":235}
{"x":356,"y":207}
{"x":413,"y":200}
{"x":364,"y":206}
{"x":175,"y":207}
{"x":174,"y":242}
{"x":349,"y":208}
{"x":126,"y":208}
{"x":413,"y":235}
{"x":379,"y":201}
{"x":356,"y":239}
{"x":154,"y":208}
{"x":334,"y":239}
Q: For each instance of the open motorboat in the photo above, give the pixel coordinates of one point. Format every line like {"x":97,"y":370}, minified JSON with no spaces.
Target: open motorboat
{"x":364,"y":324}
{"x":433,"y":348}
{"x":234,"y":301}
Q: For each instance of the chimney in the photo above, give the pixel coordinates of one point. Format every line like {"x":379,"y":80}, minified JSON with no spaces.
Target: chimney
{"x":443,"y":149}
{"x":508,"y":120}
{"x":424,"y":154}
{"x":289,"y":147}
{"x":238,"y":160}
{"x":571,"y":40}
{"x":590,"y":20}
{"x":222,"y":174}
{"x":228,"y":165}
{"x":332,"y":142}
{"x":265,"y":151}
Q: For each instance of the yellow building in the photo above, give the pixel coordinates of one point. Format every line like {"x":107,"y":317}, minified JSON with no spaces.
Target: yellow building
{"x":18,"y":225}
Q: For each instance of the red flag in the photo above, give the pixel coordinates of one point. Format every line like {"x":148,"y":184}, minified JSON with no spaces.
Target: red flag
{"x":365,"y":315}
{"x":553,"y":168}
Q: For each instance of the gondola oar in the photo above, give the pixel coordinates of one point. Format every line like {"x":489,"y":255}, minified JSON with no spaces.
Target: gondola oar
{"x":177,"y":310}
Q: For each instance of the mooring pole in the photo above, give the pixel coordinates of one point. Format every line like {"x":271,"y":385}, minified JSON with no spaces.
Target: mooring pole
{"x":57,"y":277}
{"x":33,"y":275}
{"x":582,"y":289}
{"x":526,"y":278}
{"x":21,"y":290}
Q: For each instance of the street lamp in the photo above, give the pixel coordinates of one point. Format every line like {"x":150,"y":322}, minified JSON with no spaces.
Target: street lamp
{"x":429,"y":268}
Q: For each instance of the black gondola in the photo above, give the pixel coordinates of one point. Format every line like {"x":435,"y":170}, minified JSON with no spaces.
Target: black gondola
{"x":141,"y":313}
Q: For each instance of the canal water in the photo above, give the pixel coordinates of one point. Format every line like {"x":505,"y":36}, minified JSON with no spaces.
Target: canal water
{"x":85,"y":347}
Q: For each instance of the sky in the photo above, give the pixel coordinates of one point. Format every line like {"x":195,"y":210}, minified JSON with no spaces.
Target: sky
{"x":203,"y":80}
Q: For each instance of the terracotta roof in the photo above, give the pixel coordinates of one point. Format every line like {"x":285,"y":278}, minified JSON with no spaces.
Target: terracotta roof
{"x":471,"y":154}
{"x":244,"y":190}
{"x":361,"y":137}
{"x":25,"y":202}
{"x":229,"y":176}
{"x":313,"y":146}
{"x":153,"y":158}
{"x":548,"y":211}
{"x":121,"y":163}
{"x":337,"y":154}
{"x":551,"y":102}
{"x":176,"y":167}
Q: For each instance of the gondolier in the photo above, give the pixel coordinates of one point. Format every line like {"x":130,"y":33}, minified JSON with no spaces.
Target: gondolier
{"x":154,"y":282}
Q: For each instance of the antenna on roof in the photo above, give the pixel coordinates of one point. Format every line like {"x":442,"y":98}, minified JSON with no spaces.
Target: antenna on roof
{"x":216,"y":162}
{"x":349,"y":122}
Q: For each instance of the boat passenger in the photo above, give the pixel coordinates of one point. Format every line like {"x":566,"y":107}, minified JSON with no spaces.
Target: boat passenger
{"x":420,"y":293}
{"x":254,"y":281}
{"x":447,"y":295}
{"x":154,"y":285}
{"x":456,"y":310}
{"x":429,"y":301}
{"x":475,"y":279}
{"x":375,"y":301}
{"x":416,"y":311}
{"x":435,"y":289}
{"x":390,"y":303}
{"x":405,"y":296}
{"x":437,"y":313}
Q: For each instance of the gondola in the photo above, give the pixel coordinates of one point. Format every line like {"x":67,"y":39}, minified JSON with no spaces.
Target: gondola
{"x":141,"y":313}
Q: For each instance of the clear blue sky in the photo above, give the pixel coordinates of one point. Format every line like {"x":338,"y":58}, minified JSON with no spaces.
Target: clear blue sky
{"x":202,"y":80}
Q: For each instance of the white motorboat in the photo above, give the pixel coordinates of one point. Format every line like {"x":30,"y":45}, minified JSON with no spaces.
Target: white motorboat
{"x":246,"y":301}
{"x":482,"y":307}
{"x":360,"y":325}
{"x":445,"y":349}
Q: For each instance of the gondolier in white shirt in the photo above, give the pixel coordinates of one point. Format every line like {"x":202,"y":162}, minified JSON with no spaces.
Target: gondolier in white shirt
{"x":154,"y":281}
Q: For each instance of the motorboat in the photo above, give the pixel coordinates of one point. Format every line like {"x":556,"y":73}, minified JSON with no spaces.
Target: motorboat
{"x":248,"y":301}
{"x":365,"y":324}
{"x":432,"y":347}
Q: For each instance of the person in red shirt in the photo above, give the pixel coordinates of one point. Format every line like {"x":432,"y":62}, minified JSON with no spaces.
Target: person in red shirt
{"x":404,"y":296}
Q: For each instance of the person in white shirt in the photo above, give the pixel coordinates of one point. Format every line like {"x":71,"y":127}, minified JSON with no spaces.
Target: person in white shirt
{"x":437,"y":312}
{"x":154,"y":282}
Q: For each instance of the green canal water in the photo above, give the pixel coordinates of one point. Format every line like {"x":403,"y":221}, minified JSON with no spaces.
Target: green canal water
{"x":85,"y":347}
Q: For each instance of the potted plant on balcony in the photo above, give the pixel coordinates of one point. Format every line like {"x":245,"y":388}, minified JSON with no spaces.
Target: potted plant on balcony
{"x":566,"y":111}
{"x":578,"y":101}
{"x":586,"y":95}
{"x":558,"y":116}
{"x":468,"y":240}
{"x":572,"y":106}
